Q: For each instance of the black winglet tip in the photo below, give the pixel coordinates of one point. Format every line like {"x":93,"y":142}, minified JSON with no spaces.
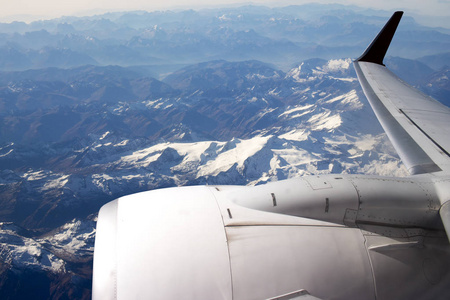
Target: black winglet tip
{"x":376,"y":51}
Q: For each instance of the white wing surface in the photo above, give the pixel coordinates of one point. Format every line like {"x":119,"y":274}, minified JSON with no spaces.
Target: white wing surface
{"x":417,"y":125}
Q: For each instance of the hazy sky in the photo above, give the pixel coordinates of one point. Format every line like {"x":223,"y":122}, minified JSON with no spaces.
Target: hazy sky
{"x":26,"y":10}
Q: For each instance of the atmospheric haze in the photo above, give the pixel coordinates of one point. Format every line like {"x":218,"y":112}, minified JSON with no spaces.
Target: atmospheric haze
{"x":431,"y":12}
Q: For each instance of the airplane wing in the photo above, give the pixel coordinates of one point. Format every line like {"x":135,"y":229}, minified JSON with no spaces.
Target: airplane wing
{"x":417,"y":125}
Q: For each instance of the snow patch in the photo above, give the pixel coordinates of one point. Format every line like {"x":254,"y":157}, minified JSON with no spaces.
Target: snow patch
{"x":297,"y":109}
{"x":295,"y":73}
{"x":57,"y":183}
{"x":35,"y":175}
{"x":74,"y":237}
{"x":236,"y":156}
{"x":142,"y":158}
{"x":347,"y":79}
{"x":325,"y":121}
{"x":294,"y":157}
{"x":104,"y":135}
{"x":25,"y":253}
{"x":7,"y":153}
{"x":295,"y":135}
{"x":122,"y":143}
{"x":351,"y":98}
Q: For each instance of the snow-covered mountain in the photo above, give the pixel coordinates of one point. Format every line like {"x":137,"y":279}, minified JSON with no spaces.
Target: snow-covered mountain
{"x":262,"y":125}
{"x":257,"y":125}
{"x":55,"y":265}
{"x":73,"y":139}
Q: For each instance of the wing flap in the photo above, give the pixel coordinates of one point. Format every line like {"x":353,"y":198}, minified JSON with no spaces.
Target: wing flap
{"x":433,"y":124}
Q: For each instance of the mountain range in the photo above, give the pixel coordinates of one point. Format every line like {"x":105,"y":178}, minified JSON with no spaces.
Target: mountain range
{"x":282,"y":36}
{"x":95,"y":108}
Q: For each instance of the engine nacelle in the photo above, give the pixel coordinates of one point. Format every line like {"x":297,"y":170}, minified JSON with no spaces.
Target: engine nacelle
{"x":348,"y":200}
{"x":231,"y":242}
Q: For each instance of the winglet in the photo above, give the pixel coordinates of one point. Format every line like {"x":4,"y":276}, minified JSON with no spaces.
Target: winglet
{"x":377,"y":50}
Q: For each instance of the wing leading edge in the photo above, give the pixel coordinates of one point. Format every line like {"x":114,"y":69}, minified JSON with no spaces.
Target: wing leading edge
{"x":417,"y":125}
